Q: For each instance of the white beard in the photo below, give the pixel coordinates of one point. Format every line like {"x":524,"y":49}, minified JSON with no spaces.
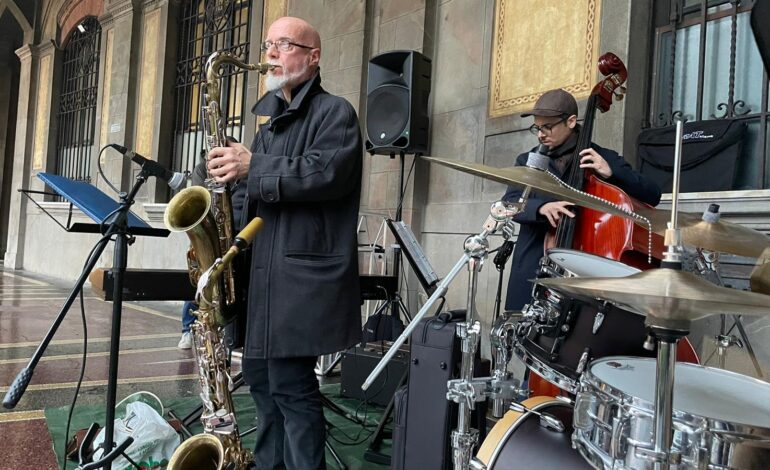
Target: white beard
{"x":275,"y":82}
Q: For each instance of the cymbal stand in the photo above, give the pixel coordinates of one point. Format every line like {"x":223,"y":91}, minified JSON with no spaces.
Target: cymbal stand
{"x":466,"y":390}
{"x":724,"y":340}
{"x":667,"y":334}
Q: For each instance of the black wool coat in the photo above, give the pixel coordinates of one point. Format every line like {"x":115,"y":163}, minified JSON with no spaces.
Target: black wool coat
{"x":534,"y":227}
{"x":304,"y":181}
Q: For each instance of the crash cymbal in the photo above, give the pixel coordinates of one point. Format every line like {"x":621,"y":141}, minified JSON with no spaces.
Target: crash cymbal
{"x":722,"y":236}
{"x":543,"y":183}
{"x":665,"y":296}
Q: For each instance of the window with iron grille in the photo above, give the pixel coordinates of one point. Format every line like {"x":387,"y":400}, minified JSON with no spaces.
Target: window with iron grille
{"x":707,"y":66}
{"x":207,"y":26}
{"x":77,"y":102}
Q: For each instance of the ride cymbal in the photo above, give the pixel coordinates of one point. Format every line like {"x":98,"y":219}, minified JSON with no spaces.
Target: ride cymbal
{"x":722,"y":236}
{"x":538,"y":180}
{"x":665,"y":296}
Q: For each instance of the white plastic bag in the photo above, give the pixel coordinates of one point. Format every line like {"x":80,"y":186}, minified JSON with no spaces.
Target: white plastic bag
{"x":154,"y":439}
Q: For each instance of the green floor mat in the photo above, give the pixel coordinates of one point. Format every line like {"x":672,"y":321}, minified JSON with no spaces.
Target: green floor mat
{"x":350,"y":440}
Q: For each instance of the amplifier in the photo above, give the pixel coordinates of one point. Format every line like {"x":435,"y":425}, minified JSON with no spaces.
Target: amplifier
{"x":358,"y":362}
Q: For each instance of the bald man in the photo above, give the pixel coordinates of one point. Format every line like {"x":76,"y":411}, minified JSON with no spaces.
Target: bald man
{"x":302,"y":175}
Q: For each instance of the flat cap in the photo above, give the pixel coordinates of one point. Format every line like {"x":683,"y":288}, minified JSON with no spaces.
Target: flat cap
{"x":554,"y":103}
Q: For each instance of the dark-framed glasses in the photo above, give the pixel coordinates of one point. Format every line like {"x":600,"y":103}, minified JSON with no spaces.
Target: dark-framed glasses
{"x":283,"y":45}
{"x":546,"y":128}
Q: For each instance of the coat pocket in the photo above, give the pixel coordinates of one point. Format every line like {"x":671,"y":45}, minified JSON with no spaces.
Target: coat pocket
{"x":313,"y":259}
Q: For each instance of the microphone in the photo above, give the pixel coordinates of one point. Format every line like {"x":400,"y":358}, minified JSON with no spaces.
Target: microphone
{"x":153,"y":168}
{"x":538,"y":159}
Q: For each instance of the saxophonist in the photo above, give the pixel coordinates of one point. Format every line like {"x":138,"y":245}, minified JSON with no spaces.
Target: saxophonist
{"x":302,"y":175}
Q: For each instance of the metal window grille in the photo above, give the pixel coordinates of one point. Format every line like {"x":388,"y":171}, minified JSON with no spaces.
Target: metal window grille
{"x":208,"y":26}
{"x":77,"y":102}
{"x":707,"y":66}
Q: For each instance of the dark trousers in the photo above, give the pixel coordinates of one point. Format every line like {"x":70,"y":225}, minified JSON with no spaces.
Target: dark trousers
{"x":291,"y":429}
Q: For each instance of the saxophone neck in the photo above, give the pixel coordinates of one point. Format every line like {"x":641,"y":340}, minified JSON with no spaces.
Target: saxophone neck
{"x":216,"y":60}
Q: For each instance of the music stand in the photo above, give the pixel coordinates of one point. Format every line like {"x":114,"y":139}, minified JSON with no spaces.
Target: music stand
{"x":111,"y":219}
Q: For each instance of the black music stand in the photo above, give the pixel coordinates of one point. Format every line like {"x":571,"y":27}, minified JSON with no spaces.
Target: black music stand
{"x":112,"y":219}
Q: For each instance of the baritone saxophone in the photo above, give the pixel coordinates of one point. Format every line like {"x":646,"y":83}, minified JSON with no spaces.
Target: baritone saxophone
{"x":205,"y":214}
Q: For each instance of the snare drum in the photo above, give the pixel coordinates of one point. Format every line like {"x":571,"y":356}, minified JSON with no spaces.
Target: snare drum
{"x":519,"y":440}
{"x":721,"y":419}
{"x":559,"y":336}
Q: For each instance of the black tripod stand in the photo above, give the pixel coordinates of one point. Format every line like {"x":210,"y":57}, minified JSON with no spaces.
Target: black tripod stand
{"x":119,"y":227}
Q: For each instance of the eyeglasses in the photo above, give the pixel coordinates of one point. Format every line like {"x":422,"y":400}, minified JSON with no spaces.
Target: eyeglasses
{"x":283,"y":45}
{"x":545,"y":128}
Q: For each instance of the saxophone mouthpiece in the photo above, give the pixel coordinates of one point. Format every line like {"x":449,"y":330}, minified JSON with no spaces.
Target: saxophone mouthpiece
{"x":264,"y":67}
{"x":246,"y":235}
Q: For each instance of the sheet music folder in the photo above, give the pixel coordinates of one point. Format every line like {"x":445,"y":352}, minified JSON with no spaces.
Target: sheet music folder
{"x":96,"y":205}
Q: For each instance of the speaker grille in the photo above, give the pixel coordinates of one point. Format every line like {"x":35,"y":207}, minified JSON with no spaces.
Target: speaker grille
{"x":387,"y":114}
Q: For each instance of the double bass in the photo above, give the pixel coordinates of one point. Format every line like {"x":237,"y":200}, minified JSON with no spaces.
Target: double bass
{"x":598,"y":233}
{"x":594,"y":232}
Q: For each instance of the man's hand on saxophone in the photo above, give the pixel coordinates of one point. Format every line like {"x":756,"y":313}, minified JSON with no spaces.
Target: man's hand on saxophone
{"x":229,"y":163}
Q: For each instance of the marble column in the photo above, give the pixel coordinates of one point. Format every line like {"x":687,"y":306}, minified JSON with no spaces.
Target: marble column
{"x":122,"y":55}
{"x":22,"y":157}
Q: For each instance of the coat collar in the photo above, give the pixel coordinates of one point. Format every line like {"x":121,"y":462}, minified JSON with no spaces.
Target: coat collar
{"x":274,"y":104}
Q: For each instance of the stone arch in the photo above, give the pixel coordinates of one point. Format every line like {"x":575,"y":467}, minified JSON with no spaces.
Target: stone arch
{"x":14,"y":10}
{"x":72,"y":13}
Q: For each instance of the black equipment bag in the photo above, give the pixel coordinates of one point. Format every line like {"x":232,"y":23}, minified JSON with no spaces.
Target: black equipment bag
{"x":381,"y":327}
{"x":430,"y":417}
{"x":399,"y":429}
{"x":709,"y":154}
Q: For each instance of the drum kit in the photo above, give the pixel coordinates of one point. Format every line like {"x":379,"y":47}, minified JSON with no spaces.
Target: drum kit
{"x":587,"y":330}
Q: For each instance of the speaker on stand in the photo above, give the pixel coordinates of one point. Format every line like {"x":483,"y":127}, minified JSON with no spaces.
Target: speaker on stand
{"x":397,"y":122}
{"x":397,"y":119}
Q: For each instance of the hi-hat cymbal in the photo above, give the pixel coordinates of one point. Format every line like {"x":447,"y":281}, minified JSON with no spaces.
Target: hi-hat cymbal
{"x":522,"y":176}
{"x":722,"y":236}
{"x":665,"y":296}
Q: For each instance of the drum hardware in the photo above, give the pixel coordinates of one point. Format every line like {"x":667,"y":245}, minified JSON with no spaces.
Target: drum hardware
{"x":503,"y":325}
{"x":476,"y":249}
{"x":501,"y":337}
{"x":599,"y":318}
{"x":723,"y":342}
{"x":547,"y":420}
{"x":708,"y":265}
{"x":583,"y":361}
{"x":466,"y":389}
{"x":670,"y":299}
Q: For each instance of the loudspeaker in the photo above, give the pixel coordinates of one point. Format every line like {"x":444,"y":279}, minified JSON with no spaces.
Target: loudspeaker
{"x":397,"y":103}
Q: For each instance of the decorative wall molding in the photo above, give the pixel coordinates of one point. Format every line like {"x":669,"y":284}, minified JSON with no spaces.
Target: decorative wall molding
{"x":529,"y":58}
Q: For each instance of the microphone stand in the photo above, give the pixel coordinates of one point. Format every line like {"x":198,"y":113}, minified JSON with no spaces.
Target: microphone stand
{"x":123,"y":238}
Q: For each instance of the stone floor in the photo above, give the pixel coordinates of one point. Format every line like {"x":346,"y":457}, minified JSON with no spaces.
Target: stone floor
{"x":149,"y":358}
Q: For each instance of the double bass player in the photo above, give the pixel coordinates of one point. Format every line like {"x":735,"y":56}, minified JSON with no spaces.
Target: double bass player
{"x":556,"y":127}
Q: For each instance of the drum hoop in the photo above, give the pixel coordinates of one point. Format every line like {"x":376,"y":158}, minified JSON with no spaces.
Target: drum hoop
{"x":541,"y":368}
{"x":584,"y":255}
{"x":590,"y":383}
{"x":517,"y":423}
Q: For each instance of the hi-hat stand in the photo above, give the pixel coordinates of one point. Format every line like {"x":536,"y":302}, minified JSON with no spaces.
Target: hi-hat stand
{"x":114,"y":220}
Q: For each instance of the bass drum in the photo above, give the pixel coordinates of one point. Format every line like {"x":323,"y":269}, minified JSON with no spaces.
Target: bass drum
{"x":519,"y":440}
